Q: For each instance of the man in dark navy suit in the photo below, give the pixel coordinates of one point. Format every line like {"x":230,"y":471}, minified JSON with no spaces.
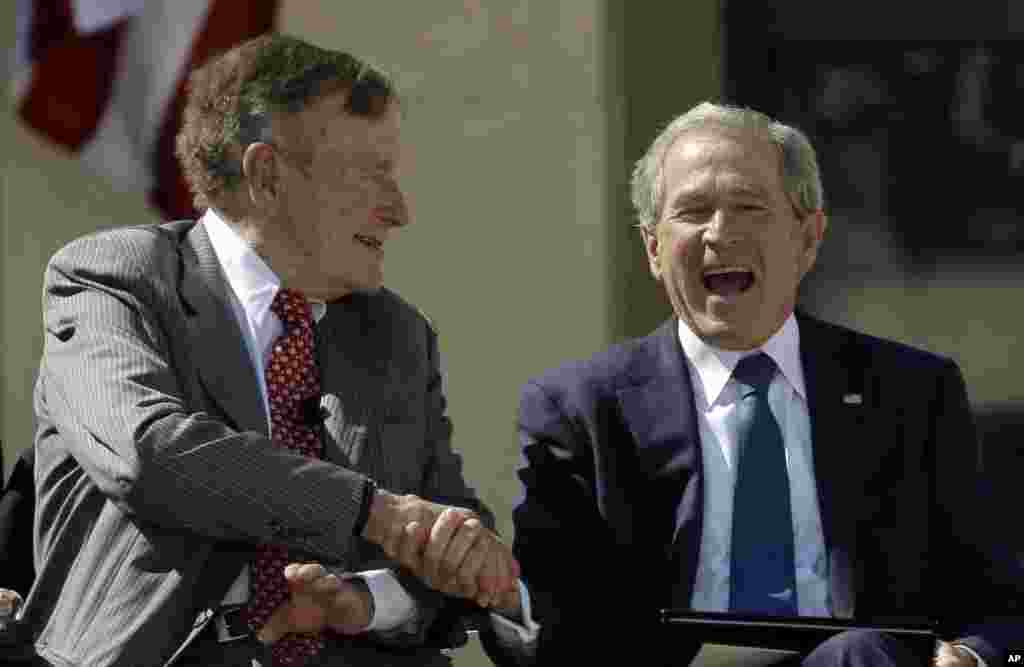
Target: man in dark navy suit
{"x":745,"y":457}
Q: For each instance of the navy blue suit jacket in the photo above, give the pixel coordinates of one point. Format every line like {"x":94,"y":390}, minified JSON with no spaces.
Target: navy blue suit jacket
{"x":612,"y":448}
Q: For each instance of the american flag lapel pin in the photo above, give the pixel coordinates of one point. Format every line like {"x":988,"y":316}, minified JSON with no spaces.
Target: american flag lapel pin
{"x":852,"y":399}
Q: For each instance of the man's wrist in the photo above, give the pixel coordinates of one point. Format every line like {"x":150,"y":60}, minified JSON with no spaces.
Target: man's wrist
{"x":362,"y":590}
{"x":519,"y":629}
{"x":509,"y":605}
{"x":381,"y":516}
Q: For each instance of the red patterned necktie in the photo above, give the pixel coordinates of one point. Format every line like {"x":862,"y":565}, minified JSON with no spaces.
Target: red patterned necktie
{"x":292,"y":378}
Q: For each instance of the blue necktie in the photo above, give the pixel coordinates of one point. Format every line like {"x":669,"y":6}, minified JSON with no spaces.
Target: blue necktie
{"x":762,"y":573}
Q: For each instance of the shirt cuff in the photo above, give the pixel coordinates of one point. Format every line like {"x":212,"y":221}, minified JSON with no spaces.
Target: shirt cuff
{"x":393,"y":607}
{"x":511,"y":633}
{"x":974,"y":654}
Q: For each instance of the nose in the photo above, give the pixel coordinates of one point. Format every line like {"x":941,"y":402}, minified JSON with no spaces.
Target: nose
{"x":393,"y":208}
{"x":722,"y":228}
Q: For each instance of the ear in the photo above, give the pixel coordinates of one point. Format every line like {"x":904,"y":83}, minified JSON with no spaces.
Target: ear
{"x":652,"y":247}
{"x":812,"y":232}
{"x":259,"y":164}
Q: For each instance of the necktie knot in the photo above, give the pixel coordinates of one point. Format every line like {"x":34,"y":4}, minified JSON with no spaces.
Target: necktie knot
{"x":292,"y":307}
{"x":755,"y":372}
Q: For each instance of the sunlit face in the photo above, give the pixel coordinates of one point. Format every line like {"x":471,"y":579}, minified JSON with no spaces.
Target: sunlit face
{"x":729,"y":246}
{"x":337,"y":211}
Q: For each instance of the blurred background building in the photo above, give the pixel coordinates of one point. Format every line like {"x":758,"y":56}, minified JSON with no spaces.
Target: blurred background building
{"x":522,"y":121}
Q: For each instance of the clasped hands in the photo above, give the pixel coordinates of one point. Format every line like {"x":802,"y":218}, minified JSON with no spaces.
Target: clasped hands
{"x":451,"y":551}
{"x":448,"y":548}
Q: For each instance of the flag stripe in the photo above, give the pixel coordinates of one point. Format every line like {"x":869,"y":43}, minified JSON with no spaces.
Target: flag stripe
{"x":115,"y":92}
{"x":93,"y":15}
{"x":154,"y":53}
{"x":70,"y":83}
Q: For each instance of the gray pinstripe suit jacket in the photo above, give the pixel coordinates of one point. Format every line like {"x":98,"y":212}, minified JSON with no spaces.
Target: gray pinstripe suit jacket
{"x":155,"y":476}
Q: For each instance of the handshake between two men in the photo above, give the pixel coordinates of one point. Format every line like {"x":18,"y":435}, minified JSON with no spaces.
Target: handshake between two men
{"x":447,"y":547}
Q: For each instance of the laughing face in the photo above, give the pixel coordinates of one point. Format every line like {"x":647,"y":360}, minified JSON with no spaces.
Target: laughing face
{"x":729,"y":246}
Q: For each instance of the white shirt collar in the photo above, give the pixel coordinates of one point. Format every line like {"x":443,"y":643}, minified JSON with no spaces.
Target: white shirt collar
{"x":250,"y":278}
{"x":714,"y":366}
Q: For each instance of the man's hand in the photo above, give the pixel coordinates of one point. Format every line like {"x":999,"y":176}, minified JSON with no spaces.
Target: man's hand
{"x":948,"y":655}
{"x":447,"y":547}
{"x":391,"y":513}
{"x":462,"y":558}
{"x":319,"y":600}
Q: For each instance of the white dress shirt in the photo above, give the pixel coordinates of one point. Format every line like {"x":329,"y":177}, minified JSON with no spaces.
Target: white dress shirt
{"x":716,"y":397}
{"x":253,"y":288}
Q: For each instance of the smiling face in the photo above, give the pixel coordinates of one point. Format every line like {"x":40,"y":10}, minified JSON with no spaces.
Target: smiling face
{"x":337,"y":199}
{"x":729,"y":246}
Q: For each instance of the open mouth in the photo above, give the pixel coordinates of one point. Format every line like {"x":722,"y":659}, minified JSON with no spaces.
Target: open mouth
{"x":369,"y":241}
{"x":728,"y":281}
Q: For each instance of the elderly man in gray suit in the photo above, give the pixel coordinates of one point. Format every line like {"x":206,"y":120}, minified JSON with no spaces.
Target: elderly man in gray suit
{"x":219,"y":399}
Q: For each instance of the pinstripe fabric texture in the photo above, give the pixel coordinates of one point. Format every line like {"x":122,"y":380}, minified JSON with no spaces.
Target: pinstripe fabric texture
{"x":155,"y":476}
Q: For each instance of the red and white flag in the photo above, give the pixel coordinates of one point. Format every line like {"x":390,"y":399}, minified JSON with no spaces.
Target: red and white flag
{"x":105,"y":79}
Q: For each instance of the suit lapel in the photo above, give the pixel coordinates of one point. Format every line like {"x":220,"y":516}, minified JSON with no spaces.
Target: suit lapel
{"x":222,"y":357}
{"x":833,"y":371}
{"x":658,"y":410}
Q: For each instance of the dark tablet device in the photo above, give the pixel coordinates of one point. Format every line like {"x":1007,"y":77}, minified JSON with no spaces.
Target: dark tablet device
{"x":791,"y":633}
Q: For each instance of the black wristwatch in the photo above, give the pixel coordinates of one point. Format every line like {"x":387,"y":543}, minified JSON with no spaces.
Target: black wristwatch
{"x":369,"y":491}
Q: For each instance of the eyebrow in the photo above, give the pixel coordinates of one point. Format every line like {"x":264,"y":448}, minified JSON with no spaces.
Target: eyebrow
{"x":748,"y":190}
{"x":695,"y":196}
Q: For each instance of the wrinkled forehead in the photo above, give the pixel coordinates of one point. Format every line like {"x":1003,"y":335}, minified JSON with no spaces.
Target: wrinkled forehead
{"x":736,"y":159}
{"x":326,"y":125}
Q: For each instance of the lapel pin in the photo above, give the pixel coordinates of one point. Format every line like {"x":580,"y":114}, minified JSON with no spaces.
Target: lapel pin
{"x":853,"y":399}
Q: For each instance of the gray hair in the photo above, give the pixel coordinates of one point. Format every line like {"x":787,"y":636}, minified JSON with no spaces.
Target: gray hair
{"x":800,"y":175}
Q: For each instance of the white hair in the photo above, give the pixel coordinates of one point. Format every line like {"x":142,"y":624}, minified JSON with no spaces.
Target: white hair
{"x":801,"y":178}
